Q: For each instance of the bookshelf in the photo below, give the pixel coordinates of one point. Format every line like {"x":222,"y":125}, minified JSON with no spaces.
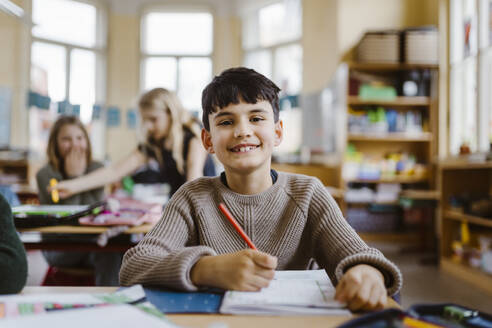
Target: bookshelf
{"x":460,"y":177}
{"x":420,"y":144}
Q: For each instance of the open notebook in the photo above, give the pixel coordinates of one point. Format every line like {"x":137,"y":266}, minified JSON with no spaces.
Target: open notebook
{"x":290,"y":293}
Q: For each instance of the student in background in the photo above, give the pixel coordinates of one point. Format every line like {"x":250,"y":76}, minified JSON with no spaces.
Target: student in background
{"x":69,"y":157}
{"x":172,"y":139}
{"x":13,"y":263}
{"x":291,"y":218}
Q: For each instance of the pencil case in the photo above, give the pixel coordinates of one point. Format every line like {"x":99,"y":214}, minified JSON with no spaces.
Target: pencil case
{"x":424,"y":316}
{"x":32,"y":216}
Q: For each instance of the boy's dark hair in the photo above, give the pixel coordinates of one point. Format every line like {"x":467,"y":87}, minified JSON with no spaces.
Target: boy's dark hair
{"x":236,"y":84}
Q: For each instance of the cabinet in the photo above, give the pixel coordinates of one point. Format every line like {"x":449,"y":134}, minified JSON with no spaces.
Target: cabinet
{"x":474,"y":180}
{"x":391,"y":142}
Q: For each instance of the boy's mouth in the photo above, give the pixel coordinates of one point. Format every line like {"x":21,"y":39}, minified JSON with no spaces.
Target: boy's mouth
{"x":243,"y":148}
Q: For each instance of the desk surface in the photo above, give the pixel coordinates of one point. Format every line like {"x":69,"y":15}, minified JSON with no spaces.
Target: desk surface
{"x":144,"y":228}
{"x":231,"y":321}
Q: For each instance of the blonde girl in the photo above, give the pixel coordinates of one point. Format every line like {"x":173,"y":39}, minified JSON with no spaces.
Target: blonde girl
{"x":172,"y":137}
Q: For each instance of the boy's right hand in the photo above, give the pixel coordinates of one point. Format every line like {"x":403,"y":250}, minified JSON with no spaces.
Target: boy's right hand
{"x":246,"y":270}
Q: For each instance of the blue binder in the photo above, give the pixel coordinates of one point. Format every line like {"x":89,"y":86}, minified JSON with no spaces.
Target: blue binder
{"x":184,"y":302}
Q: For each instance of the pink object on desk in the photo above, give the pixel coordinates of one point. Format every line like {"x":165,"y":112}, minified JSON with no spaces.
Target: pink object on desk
{"x":131,"y":213}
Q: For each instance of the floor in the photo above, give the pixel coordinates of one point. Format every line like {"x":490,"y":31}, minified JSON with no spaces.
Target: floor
{"x":427,"y":284}
{"x":422,"y":283}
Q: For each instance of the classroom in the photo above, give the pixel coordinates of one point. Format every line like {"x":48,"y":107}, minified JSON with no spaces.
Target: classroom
{"x":228,"y":163}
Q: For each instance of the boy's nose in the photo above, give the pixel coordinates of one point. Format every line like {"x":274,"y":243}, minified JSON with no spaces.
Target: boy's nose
{"x":242,"y":130}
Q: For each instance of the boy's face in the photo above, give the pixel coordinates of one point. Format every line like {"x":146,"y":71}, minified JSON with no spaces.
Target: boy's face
{"x":243,"y":136}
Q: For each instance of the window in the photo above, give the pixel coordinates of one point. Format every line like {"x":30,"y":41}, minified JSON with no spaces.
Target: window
{"x":470,"y":78}
{"x":271,"y":43}
{"x":66,"y":53}
{"x":176,"y":52}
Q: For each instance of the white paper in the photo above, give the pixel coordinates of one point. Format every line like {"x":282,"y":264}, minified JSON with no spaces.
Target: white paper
{"x":121,"y":316}
{"x":290,"y":292}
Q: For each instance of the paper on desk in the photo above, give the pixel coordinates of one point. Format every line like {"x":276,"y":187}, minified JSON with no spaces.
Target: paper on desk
{"x":22,"y":305}
{"x":290,"y":292}
{"x":121,"y":316}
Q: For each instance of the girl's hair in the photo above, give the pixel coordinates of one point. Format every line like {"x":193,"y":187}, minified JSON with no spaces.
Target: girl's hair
{"x":54,"y":156}
{"x":160,"y":98}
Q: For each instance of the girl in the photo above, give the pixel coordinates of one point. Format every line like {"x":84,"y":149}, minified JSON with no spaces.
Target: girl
{"x":172,"y":138}
{"x":69,"y":156}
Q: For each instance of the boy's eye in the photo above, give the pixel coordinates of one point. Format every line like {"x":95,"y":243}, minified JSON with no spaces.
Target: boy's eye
{"x":225,"y":122}
{"x":256,"y":119}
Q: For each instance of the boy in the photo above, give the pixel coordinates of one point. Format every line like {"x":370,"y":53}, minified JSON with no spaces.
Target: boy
{"x":291,"y":218}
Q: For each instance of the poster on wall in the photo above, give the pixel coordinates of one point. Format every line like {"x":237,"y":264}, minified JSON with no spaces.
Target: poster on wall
{"x":5,"y":108}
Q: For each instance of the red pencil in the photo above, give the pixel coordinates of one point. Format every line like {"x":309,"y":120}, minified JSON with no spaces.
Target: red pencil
{"x":236,"y":225}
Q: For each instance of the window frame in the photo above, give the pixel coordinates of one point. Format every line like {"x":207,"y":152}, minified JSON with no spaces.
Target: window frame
{"x":99,"y":50}
{"x":273,"y":48}
{"x":482,"y":58}
{"x":178,"y":9}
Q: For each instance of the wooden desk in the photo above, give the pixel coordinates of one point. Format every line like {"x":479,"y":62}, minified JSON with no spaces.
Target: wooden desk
{"x":86,"y":232}
{"x":231,"y":321}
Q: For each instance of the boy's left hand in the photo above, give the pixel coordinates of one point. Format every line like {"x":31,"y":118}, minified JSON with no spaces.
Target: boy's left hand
{"x":362,"y":288}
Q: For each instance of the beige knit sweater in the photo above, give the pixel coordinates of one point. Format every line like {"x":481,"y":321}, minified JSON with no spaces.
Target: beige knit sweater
{"x":295,"y":219}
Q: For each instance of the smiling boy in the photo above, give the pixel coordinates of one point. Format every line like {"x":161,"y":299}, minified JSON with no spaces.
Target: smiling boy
{"x":291,"y":218}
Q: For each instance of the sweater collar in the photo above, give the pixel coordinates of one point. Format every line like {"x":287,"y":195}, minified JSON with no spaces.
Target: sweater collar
{"x":232,"y":197}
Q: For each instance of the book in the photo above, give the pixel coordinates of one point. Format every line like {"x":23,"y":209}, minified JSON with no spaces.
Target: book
{"x":306,"y":292}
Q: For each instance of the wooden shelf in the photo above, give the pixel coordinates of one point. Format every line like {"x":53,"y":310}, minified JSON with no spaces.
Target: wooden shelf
{"x":471,"y":275}
{"x":392,"y":137}
{"x":398,"y":101}
{"x":464,"y":165}
{"x":421,"y":194}
{"x":458,"y":216}
{"x":378,"y":67}
{"x":391,"y":180}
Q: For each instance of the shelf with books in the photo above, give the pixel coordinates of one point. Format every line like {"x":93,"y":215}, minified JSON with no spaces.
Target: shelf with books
{"x":381,"y":67}
{"x":466,"y":229}
{"x":398,"y":101}
{"x":459,"y":216}
{"x":391,"y":137}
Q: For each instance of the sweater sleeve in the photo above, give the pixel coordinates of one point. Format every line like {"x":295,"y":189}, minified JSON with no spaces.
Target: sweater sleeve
{"x":168,"y":252}
{"x":337,"y":247}
{"x":47,"y":173}
{"x":13,"y":262}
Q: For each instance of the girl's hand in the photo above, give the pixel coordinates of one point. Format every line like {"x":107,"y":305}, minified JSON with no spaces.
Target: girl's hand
{"x":246,"y":270}
{"x":75,"y":162}
{"x":362,"y":288}
{"x":65,"y":189}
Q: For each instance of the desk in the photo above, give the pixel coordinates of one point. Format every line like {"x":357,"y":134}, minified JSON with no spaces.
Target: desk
{"x":232,"y":321}
{"x":84,"y":232}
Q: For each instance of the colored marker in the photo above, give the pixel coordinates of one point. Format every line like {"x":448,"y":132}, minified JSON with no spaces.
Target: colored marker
{"x":54,"y":192}
{"x":236,"y":226}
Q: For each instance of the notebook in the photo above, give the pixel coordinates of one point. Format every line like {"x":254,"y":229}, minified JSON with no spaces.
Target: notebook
{"x":290,"y":293}
{"x":168,"y":301}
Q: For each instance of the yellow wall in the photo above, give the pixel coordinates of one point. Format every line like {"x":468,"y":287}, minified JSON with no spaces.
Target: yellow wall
{"x":319,"y":41}
{"x":355,"y":17}
{"x":332,"y":28}
{"x":122,"y":80}
{"x":14,"y":64}
{"x":227,"y":43}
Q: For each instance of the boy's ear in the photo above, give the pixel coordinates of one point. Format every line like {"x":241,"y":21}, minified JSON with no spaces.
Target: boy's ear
{"x":207,"y":141}
{"x":279,"y":132}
